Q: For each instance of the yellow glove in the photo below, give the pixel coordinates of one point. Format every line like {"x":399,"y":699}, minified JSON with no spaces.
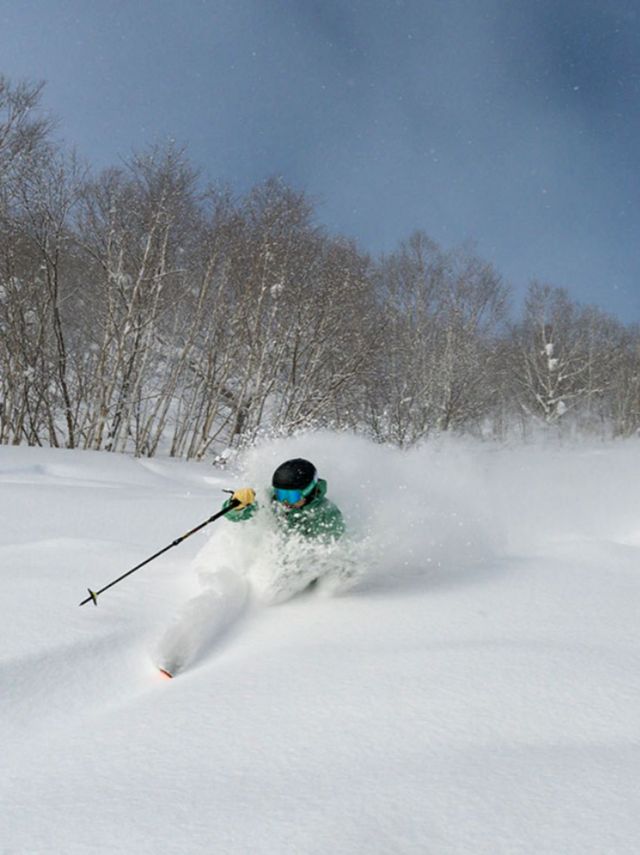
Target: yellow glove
{"x":245,"y":496}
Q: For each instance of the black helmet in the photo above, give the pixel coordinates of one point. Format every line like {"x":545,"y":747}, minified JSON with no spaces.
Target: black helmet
{"x":294,"y":474}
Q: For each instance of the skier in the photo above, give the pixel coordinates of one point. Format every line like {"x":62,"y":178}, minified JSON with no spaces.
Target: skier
{"x":301,"y":508}
{"x":298,"y":500}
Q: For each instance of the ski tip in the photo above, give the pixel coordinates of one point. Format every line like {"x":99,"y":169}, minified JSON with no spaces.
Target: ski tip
{"x":166,"y":675}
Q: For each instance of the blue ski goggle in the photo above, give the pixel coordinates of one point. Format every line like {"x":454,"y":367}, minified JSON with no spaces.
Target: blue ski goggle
{"x":292,"y":497}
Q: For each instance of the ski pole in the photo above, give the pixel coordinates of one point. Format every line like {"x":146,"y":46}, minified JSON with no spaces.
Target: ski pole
{"x":93,"y":595}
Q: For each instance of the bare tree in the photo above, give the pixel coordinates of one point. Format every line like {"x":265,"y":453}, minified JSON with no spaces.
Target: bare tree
{"x":23,"y":130}
{"x":623,"y":398}
{"x":442,"y":314}
{"x":133,"y":224}
{"x":25,"y":410}
{"x":564,"y":357}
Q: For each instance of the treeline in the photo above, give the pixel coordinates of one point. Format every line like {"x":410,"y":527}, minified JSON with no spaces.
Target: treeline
{"x":140,"y":312}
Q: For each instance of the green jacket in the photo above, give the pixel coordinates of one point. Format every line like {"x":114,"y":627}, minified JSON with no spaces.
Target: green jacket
{"x":319,"y":518}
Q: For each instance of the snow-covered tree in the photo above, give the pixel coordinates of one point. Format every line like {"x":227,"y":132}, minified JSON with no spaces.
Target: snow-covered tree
{"x":442,"y":313}
{"x":564,"y":357}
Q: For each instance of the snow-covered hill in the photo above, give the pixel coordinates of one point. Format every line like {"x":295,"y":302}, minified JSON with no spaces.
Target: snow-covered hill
{"x":474,"y":689}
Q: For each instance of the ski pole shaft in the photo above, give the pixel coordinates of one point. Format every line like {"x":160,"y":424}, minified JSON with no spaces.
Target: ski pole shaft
{"x":93,"y":595}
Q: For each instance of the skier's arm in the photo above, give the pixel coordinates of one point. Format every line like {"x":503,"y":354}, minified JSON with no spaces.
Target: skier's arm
{"x":246,"y":507}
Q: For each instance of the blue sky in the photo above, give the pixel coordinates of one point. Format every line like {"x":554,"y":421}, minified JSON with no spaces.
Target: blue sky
{"x":513,"y":123}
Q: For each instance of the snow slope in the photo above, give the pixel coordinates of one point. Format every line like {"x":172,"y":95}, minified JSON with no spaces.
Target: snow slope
{"x":474,"y":688}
